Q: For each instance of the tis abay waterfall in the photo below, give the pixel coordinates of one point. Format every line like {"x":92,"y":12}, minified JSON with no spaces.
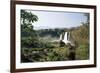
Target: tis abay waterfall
{"x":66,"y":38}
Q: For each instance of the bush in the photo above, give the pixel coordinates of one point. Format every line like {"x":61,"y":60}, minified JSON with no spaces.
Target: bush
{"x":82,"y":52}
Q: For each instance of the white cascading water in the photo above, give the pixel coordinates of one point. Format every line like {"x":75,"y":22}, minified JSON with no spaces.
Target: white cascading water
{"x":60,"y":37}
{"x":66,"y":38}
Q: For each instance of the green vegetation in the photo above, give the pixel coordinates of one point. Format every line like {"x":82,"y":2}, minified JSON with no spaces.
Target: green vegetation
{"x":43,"y":45}
{"x":82,"y":52}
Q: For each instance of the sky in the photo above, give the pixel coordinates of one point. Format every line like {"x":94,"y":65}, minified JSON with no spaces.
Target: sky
{"x":57,"y":19}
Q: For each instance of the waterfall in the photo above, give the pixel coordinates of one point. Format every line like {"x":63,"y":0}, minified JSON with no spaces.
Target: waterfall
{"x":66,"y":38}
{"x":60,"y":37}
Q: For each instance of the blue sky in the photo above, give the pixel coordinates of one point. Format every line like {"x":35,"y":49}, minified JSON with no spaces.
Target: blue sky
{"x":51,"y":19}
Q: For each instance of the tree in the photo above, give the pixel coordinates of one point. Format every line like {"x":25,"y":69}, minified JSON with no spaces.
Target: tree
{"x":28,"y":17}
{"x":28,"y":34}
